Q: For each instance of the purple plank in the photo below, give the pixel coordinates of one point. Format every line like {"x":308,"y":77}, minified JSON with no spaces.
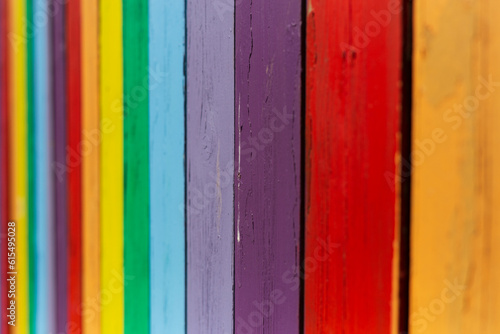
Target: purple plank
{"x":59,"y":162}
{"x":267,"y":169}
{"x":210,"y":166}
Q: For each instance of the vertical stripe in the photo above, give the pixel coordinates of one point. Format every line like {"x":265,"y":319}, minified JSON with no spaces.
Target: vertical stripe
{"x":59,"y":165}
{"x":268,"y":169}
{"x":352,"y":148}
{"x":32,"y":260}
{"x":18,"y":160}
{"x":111,"y":190}
{"x":210,"y":166}
{"x":74,"y":161}
{"x":455,"y":230}
{"x":5,"y":213}
{"x":167,"y":181}
{"x":45,"y":252}
{"x":136,"y":162}
{"x":91,"y":139}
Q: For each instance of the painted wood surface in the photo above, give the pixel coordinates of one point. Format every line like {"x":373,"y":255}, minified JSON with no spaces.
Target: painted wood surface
{"x":45,"y":250}
{"x":90,"y":149}
{"x":136,"y":164}
{"x":111,"y":300}
{"x":31,"y":161}
{"x":74,"y":164}
{"x":352,"y":149}
{"x":166,"y":165}
{"x":268,"y":165}
{"x":210,"y":164}
{"x":18,"y":159}
{"x":455,"y":266}
{"x":59,"y":165}
{"x":5,"y":179}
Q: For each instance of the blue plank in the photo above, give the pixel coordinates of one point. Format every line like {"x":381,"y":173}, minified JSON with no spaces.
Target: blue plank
{"x":166,"y":117}
{"x":45,"y":274}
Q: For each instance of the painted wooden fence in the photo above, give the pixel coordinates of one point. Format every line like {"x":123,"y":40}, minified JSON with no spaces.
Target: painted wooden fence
{"x":210,"y":167}
{"x":91,"y":137}
{"x":166,"y":167}
{"x":267,"y":165}
{"x":353,"y":118}
{"x":455,"y":218}
{"x":249,"y":166}
{"x":18,"y":158}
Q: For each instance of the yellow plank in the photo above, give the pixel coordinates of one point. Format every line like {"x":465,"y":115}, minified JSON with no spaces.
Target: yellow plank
{"x":111,"y":222}
{"x":19,"y":191}
{"x":90,"y":168}
{"x":455,"y":246}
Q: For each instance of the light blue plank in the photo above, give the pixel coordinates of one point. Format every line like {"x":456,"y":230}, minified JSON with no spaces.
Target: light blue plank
{"x":166,"y":117}
{"x":45,"y":321}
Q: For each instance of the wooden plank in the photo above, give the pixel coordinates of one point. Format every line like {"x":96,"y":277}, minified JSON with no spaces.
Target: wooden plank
{"x":91,"y":140}
{"x":166,"y":154}
{"x":5,"y":114}
{"x":45,"y":239}
{"x":31,"y":160}
{"x":111,"y":166}
{"x":73,"y":160}
{"x":59,"y":161}
{"x":352,"y":149}
{"x":18,"y":160}
{"x":268,"y":165}
{"x":455,"y":265}
{"x":210,"y":162}
{"x":136,"y":162}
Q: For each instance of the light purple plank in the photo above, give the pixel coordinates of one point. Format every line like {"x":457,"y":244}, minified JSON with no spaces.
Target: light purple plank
{"x":59,"y":163}
{"x":210,"y":165}
{"x":268,"y":168}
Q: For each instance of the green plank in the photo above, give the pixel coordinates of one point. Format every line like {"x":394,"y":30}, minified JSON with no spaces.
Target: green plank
{"x":30,"y":39}
{"x":136,"y":159}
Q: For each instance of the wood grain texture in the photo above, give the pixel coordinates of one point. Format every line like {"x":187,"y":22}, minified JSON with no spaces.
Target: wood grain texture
{"x":91,"y":255}
{"x":210,"y":164}
{"x":5,"y":179}
{"x":136,"y":164}
{"x":166,"y":165}
{"x":455,"y":267}
{"x":45,"y":239}
{"x":352,"y":144}
{"x":74,"y":162}
{"x":268,"y":165}
{"x":111,"y":167}
{"x":17,"y":35}
{"x":59,"y":165}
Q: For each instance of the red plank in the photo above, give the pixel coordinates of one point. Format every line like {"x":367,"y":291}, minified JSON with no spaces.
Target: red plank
{"x":352,"y":146}
{"x":73,"y":161}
